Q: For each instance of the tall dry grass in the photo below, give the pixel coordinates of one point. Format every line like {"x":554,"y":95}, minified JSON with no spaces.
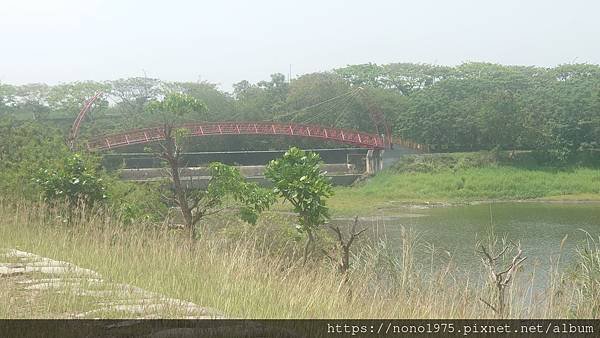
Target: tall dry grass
{"x":246,"y":277}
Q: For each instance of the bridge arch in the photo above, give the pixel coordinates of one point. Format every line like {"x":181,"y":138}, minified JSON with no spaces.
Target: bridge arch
{"x":148,"y":135}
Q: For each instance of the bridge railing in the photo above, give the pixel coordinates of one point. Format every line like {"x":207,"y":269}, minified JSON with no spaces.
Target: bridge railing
{"x":140,"y":136}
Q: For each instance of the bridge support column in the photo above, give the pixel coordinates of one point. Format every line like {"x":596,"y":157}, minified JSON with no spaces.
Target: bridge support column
{"x":374,"y":161}
{"x":378,"y":154}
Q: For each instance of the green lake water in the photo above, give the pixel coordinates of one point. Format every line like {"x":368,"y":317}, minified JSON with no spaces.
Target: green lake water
{"x":539,"y":227}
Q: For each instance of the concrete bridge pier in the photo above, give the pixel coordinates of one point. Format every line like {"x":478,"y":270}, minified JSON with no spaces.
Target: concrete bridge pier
{"x":374,"y":161}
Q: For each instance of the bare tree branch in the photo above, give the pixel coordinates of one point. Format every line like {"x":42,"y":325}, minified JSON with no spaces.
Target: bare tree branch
{"x":501,"y":279}
{"x":489,"y":305}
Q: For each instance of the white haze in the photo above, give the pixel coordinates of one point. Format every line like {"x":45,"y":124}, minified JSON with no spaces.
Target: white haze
{"x":228,"y":41}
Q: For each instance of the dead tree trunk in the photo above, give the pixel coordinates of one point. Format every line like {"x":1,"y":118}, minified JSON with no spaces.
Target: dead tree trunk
{"x":343,"y":248}
{"x":500,"y":280}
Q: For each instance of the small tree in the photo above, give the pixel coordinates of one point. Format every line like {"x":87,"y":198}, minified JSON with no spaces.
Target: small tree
{"x":298,"y":178}
{"x":73,"y":182}
{"x":225,"y":180}
{"x":343,"y":250}
{"x":343,"y":247}
{"x":170,"y":110}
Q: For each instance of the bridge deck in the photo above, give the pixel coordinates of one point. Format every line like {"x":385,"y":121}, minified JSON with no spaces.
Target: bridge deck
{"x":141,"y":136}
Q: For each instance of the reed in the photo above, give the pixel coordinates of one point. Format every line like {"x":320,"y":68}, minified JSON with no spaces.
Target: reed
{"x":244,"y":277}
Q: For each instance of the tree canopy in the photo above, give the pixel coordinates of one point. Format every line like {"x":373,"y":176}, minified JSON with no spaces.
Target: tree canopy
{"x":472,"y":106}
{"x":298,"y":178}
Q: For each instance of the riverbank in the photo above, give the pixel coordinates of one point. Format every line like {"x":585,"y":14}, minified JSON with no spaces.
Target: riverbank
{"x":464,"y":179}
{"x":246,"y":278}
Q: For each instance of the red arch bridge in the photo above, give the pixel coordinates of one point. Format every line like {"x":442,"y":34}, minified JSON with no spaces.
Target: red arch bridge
{"x":147,"y":135}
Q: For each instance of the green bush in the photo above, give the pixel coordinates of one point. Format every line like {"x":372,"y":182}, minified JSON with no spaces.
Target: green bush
{"x":73,"y":181}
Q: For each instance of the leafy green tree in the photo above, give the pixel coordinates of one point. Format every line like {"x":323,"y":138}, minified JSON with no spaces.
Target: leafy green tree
{"x":30,"y":100}
{"x":368,"y":74}
{"x":176,"y":107}
{"x":195,"y":204}
{"x":407,"y":78}
{"x":67,"y":99}
{"x":131,"y":95}
{"x":73,"y":181}
{"x":25,"y":101}
{"x":172,"y":109}
{"x":220,"y":105}
{"x":225,"y":181}
{"x":482,"y":106}
{"x":26,"y":146}
{"x":403,"y":78}
{"x":6,"y":98}
{"x":298,"y":178}
{"x":134,"y":93}
{"x":326,"y":99}
{"x":261,"y":101}
{"x":562,"y":112}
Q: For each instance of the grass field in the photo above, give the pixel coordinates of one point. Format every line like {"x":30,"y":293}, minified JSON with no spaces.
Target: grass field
{"x":246,"y":278}
{"x":463,"y":185}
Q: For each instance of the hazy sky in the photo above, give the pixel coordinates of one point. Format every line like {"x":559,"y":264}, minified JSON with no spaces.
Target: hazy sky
{"x":227,"y":41}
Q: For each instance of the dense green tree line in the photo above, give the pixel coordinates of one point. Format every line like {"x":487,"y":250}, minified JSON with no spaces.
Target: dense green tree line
{"x":472,"y":106}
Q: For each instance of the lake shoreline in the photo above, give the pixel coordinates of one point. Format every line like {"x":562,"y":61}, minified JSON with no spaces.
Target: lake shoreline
{"x":434,"y":205}
{"x":425,"y":205}
{"x":424,"y":181}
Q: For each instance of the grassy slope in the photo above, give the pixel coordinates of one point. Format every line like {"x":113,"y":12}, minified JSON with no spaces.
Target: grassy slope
{"x":245,"y":279}
{"x":465,"y":181}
